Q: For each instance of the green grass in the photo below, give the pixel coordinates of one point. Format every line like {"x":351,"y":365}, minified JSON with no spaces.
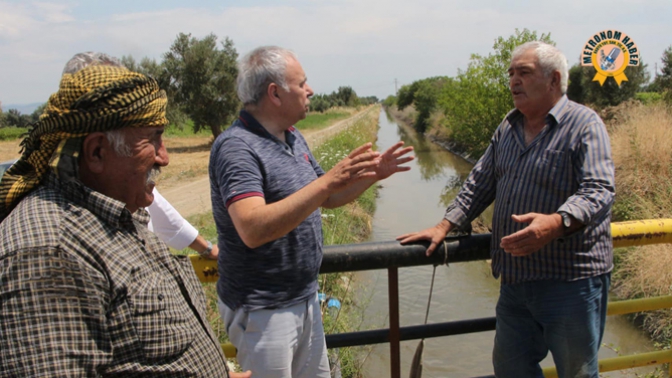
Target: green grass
{"x":345,"y":225}
{"x":11,"y":133}
{"x":316,"y":121}
{"x":185,"y":130}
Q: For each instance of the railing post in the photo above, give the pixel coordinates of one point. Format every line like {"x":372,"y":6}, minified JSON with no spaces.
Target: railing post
{"x":393,"y":294}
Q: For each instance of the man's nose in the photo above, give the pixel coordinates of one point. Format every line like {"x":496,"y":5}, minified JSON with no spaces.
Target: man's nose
{"x":310,"y":90}
{"x":162,"y":155}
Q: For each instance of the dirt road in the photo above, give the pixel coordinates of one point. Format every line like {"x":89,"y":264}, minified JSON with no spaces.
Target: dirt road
{"x":193,"y":197}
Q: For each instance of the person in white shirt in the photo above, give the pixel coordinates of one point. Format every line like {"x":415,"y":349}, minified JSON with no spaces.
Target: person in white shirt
{"x":176,"y":231}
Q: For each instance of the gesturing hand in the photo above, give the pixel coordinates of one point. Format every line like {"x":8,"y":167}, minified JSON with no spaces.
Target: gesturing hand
{"x":542,"y":230}
{"x":359,"y":164}
{"x":391,"y":161}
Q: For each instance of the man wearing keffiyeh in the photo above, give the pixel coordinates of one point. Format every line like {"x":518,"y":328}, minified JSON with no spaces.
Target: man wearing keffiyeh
{"x":85,"y":288}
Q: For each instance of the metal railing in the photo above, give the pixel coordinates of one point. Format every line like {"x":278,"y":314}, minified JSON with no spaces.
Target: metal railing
{"x":391,"y":256}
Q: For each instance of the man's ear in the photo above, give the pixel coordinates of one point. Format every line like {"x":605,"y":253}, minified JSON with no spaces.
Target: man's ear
{"x":555,"y":80}
{"x":94,"y":151}
{"x":272,"y":92}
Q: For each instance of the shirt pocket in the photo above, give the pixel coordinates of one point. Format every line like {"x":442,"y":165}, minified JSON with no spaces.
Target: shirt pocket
{"x":159,"y":315}
{"x":550,"y":169}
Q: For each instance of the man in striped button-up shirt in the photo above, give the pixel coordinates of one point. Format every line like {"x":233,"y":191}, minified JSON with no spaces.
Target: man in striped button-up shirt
{"x":549,"y":170}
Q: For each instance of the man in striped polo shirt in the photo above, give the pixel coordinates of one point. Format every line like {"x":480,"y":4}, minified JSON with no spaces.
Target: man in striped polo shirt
{"x":266,"y":190}
{"x":549,"y":171}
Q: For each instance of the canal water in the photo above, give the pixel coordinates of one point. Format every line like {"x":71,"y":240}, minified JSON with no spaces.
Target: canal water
{"x":414,"y":200}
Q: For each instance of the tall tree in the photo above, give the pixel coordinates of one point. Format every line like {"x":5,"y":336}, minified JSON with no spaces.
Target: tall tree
{"x":347,"y":96}
{"x":478,"y":100}
{"x":663,"y":80}
{"x":202,"y":80}
{"x":35,"y":115}
{"x":575,"y":89}
{"x":13,"y":117}
{"x":151,"y":67}
{"x":583,"y":89}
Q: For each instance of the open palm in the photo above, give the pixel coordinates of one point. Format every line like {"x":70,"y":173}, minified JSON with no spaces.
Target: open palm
{"x":391,"y":161}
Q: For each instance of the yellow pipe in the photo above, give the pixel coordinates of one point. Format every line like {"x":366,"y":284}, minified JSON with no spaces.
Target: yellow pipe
{"x":206,"y":269}
{"x":639,"y":305}
{"x":641,"y":232}
{"x":229,"y":350}
{"x":624,"y":234}
{"x":624,"y":362}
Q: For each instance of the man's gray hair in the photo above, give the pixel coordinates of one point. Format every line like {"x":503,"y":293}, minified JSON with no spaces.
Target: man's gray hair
{"x":550,"y":60}
{"x":259,"y":68}
{"x":118,"y":141}
{"x":90,"y":58}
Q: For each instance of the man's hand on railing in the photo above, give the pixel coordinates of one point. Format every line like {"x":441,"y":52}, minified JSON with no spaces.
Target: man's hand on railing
{"x":435,"y":235}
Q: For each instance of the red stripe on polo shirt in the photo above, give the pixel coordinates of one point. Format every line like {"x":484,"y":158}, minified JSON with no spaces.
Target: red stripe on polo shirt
{"x":243,"y":121}
{"x":242,"y":196}
{"x":291,"y":128}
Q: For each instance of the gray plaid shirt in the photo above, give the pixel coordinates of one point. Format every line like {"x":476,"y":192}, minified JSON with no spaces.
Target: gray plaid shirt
{"x":86,"y":290}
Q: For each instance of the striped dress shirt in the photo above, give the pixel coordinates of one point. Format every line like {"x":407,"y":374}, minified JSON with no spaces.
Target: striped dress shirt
{"x":567,"y":167}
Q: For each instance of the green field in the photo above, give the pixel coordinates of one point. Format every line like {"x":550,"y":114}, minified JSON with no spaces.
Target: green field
{"x":316,"y":121}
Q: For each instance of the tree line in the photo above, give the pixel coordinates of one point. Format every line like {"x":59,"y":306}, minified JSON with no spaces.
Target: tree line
{"x":471,"y":105}
{"x":199,"y":77}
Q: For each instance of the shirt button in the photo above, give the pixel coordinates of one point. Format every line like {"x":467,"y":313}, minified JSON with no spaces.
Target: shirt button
{"x":160,"y":297}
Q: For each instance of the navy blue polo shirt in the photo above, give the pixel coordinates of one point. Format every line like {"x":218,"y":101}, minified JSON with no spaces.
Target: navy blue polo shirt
{"x":246,"y":161}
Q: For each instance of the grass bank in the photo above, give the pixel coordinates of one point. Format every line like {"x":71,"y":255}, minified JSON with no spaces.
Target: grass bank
{"x":348,"y":224}
{"x":641,"y":139}
{"x":11,"y":133}
{"x":318,"y":121}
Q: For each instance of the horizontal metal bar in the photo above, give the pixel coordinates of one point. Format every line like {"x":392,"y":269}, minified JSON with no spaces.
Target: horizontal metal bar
{"x":641,"y":232}
{"x":639,"y":305}
{"x":624,"y":362}
{"x":383,"y":255}
{"x":379,"y":336}
{"x":618,"y":363}
{"x":229,"y":350}
{"x":460,"y":327}
{"x":206,"y":269}
{"x":605,"y":365}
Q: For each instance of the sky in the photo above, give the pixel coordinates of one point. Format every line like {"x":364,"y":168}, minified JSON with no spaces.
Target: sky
{"x":374,"y":46}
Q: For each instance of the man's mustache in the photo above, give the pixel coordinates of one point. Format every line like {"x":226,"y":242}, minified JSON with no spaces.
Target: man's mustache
{"x":153,"y":175}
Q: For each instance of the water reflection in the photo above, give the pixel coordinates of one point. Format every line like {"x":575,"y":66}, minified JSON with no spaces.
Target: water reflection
{"x":432,"y":159}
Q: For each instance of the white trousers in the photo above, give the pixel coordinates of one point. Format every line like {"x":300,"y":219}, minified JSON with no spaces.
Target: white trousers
{"x":279,"y":343}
